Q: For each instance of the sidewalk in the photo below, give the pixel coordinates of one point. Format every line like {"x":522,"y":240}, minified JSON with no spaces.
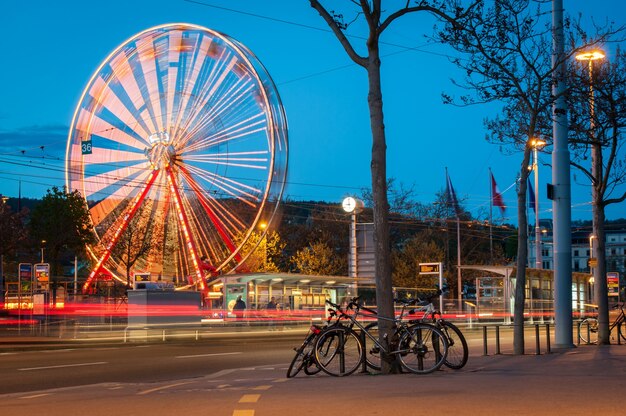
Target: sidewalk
{"x":586,"y":380}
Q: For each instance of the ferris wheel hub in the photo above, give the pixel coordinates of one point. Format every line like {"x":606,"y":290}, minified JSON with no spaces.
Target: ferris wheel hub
{"x":162,"y":152}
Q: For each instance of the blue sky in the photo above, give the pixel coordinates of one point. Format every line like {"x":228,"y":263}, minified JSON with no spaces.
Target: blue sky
{"x":51,"y":49}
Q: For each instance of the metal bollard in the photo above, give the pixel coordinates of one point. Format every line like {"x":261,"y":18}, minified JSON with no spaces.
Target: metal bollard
{"x":485,"y":340}
{"x":548,"y":349}
{"x":537,"y":343}
{"x":619,"y":333}
{"x":498,"y":340}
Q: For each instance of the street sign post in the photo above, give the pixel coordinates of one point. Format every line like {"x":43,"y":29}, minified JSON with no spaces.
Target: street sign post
{"x":434,"y":269}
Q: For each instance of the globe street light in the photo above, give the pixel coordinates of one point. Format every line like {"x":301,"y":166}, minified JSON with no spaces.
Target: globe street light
{"x":536,"y":144}
{"x":352,"y":206}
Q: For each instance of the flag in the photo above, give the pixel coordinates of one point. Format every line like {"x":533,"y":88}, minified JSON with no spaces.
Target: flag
{"x":531,"y":197}
{"x":496,"y":196}
{"x":451,"y":196}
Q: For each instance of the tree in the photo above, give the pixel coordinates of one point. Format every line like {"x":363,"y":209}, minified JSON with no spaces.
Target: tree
{"x":505,"y":60}
{"x":265,"y":250}
{"x":372,"y":12}
{"x":62,"y":221}
{"x":419,"y":249}
{"x":318,"y":259}
{"x":597,"y":108}
{"x":12,"y":236}
{"x":138,"y":239}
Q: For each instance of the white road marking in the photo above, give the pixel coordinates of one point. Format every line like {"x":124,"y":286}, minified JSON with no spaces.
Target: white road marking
{"x":208,"y":355}
{"x":162,"y":388}
{"x":62,"y":366}
{"x":34,"y":396}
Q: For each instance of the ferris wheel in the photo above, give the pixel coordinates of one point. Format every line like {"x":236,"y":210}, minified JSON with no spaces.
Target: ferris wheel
{"x":180,"y":138}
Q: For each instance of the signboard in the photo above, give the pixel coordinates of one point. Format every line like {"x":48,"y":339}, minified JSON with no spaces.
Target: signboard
{"x":232,"y":292}
{"x":593,"y":262}
{"x":26,"y":271}
{"x":612,"y":283}
{"x":430,"y":268}
{"x":86,"y":147}
{"x":42,"y":272}
{"x":142,"y":277}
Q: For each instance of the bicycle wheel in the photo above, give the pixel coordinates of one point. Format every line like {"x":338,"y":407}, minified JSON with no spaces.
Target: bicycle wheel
{"x":338,"y":351}
{"x":457,"y":346}
{"x":372,"y":351}
{"x":423,"y":348}
{"x":302,"y":355}
{"x":588,"y":330}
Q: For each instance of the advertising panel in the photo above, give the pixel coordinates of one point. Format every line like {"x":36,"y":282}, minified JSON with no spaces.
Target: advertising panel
{"x":612,"y":283}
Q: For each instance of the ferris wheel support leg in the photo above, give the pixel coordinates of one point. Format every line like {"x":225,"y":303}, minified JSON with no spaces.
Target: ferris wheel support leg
{"x":129,"y":216}
{"x":184,"y":221}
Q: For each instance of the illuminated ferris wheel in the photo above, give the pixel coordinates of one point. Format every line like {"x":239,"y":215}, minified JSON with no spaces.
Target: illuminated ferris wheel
{"x":180,"y":137}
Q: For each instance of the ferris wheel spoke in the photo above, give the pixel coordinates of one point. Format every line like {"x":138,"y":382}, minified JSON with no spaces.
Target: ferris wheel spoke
{"x":113,"y":184}
{"x":120,"y":229}
{"x":217,"y":223}
{"x":114,"y":99}
{"x":150,"y":82}
{"x":231,"y":99}
{"x":247,"y":194}
{"x":184,"y":223}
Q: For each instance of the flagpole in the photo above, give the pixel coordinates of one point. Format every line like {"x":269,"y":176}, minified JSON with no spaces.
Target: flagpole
{"x":490,"y":215}
{"x":458,"y":260}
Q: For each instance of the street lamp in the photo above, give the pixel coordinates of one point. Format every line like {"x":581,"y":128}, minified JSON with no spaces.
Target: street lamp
{"x":536,"y":144}
{"x":353,"y":206}
{"x":43,"y":243}
{"x":263,"y":227}
{"x":596,"y":152}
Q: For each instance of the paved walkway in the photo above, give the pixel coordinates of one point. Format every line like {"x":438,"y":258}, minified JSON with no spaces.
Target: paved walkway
{"x":587,"y":380}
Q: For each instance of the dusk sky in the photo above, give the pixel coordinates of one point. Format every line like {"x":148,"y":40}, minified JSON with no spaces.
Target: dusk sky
{"x":51,"y":49}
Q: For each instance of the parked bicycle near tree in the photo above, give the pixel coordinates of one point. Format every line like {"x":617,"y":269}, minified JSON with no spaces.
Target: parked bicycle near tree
{"x":458,"y":352}
{"x":588,"y":327}
{"x":339,"y":351}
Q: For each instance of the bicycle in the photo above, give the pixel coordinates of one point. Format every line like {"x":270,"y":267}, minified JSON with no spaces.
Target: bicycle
{"x":588,"y":327}
{"x":421,"y":348}
{"x":458,"y":351}
{"x":304,"y":358}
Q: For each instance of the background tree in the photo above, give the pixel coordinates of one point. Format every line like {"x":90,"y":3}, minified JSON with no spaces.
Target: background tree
{"x":268,"y":250}
{"x":596,"y":128}
{"x":62,"y":220}
{"x":138,"y":239}
{"x":506,"y":59}
{"x":12,"y":236}
{"x":318,"y":259}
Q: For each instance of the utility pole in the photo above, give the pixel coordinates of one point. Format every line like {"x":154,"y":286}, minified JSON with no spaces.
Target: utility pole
{"x":561,"y":204}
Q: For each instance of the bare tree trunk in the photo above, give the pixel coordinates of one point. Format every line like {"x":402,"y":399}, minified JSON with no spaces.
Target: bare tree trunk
{"x":522,"y":256}
{"x":384,"y":291}
{"x":597,"y":204}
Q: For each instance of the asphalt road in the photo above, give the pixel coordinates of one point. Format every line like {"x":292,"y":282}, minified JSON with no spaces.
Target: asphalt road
{"x":25,"y":371}
{"x":245,"y":376}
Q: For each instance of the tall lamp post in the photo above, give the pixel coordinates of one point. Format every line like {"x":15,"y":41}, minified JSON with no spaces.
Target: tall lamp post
{"x":595,"y":149}
{"x":353,"y":206}
{"x":536,"y":144}
{"x":263,"y":227}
